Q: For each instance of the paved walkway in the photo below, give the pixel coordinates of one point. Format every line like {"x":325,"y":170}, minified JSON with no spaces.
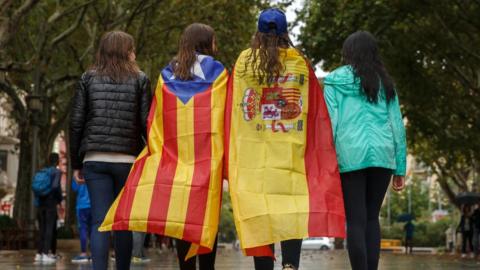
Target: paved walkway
{"x":232,"y":260}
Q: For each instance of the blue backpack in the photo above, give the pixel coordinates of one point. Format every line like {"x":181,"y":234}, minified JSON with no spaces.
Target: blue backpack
{"x":42,"y":181}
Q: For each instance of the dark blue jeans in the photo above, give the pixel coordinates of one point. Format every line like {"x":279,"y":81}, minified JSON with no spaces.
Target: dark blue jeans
{"x":84,"y":217}
{"x":104,"y":182}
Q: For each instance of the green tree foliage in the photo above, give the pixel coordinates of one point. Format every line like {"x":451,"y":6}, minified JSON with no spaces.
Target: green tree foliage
{"x":46,"y":45}
{"x":431,"y":50}
{"x":417,"y":192}
{"x":226,"y":231}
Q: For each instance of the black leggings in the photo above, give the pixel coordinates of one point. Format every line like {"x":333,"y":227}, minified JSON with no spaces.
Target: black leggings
{"x":363,"y":193}
{"x":206,"y":261}
{"x":290,"y":255}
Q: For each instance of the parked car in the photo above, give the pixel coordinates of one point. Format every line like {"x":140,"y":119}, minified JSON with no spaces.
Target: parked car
{"x":318,"y":243}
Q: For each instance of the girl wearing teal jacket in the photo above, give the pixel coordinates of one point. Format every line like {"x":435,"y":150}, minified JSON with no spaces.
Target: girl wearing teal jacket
{"x":370,"y":141}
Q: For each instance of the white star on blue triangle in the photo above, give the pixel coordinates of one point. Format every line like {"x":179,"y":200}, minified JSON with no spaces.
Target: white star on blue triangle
{"x":204,"y":71}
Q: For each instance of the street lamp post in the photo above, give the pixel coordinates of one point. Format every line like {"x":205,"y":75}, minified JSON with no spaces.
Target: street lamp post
{"x":35,"y":106}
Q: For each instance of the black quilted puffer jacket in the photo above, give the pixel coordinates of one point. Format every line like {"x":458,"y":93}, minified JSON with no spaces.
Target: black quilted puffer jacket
{"x":108,"y":117}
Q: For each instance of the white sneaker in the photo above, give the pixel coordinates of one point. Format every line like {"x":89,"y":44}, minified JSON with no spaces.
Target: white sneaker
{"x":472,"y":255}
{"x":38,"y":257}
{"x":464,"y":255}
{"x":48,"y":258}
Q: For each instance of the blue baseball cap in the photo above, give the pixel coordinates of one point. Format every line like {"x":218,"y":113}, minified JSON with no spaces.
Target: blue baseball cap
{"x":272,"y":19}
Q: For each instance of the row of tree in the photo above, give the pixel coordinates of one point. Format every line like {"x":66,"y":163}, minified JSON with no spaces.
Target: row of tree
{"x":431,"y":49}
{"x":46,"y":45}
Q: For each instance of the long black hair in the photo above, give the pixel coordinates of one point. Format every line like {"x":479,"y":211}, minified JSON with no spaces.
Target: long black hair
{"x":360,"y":51}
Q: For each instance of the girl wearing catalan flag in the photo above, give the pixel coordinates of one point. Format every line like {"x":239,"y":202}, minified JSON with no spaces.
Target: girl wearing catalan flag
{"x":175,"y":186}
{"x":280,"y":157}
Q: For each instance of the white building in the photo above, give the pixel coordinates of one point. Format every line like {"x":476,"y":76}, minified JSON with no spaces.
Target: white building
{"x":9,"y":158}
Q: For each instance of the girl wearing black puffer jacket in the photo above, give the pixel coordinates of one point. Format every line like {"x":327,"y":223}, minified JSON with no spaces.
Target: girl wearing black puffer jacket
{"x":107,"y":126}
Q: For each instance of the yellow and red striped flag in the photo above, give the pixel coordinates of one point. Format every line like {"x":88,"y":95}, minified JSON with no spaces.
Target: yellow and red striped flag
{"x":175,"y":185}
{"x":280,"y":158}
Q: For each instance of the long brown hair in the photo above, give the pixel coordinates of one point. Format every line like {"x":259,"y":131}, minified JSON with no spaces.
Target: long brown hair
{"x":265,"y":56}
{"x":196,"y":38}
{"x":113,"y":56}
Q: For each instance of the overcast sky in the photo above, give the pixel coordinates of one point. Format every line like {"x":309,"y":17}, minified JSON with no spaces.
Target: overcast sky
{"x":291,"y":17}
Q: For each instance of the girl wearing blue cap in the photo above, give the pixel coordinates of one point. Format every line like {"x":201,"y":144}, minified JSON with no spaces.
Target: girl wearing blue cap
{"x":370,"y":142}
{"x":278,"y":118}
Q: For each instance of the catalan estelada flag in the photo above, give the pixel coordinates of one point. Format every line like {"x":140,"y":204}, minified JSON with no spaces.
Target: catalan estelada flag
{"x":175,"y":185}
{"x":280,"y":157}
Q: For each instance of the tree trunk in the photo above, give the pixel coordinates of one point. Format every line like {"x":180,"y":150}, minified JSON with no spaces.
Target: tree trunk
{"x":70,"y":207}
{"x":23,"y":191}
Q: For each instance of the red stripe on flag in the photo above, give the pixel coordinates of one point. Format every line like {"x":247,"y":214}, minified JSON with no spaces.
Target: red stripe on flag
{"x":122,"y":215}
{"x":326,"y":217}
{"x":203,"y":250}
{"x":227,"y":122}
{"x":261,"y":251}
{"x":168,"y":164}
{"x":199,"y":189}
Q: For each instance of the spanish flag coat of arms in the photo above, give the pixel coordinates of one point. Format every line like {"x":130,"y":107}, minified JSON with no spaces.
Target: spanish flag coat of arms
{"x":280,"y":157}
{"x":175,"y":185}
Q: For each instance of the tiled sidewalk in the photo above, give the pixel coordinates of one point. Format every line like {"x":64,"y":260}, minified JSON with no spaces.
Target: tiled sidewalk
{"x":232,"y":260}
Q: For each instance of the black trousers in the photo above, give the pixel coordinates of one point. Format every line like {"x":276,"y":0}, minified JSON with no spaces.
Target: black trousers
{"x":206,"y":261}
{"x":467,"y":238}
{"x":291,"y":250}
{"x":363,"y":193}
{"x":47,"y":223}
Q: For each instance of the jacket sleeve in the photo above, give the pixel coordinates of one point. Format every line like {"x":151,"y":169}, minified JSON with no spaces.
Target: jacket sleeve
{"x":332,"y":105}
{"x":74,"y":185}
{"x":145,"y":102}
{"x":77,"y":122}
{"x":57,"y":186}
{"x":399,"y":137}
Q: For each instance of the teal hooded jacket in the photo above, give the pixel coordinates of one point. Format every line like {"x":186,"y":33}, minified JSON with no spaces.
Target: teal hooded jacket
{"x":366,"y":134}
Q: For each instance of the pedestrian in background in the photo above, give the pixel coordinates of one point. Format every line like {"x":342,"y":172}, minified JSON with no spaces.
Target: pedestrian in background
{"x":84,"y":219}
{"x":48,"y":194}
{"x":370,"y":142}
{"x":108,"y":124}
{"x":466,"y":229}
{"x":409,"y":230}
{"x":476,"y":229}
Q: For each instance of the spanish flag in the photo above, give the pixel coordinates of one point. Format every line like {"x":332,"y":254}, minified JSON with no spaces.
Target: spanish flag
{"x":280,"y":157}
{"x":175,"y":185}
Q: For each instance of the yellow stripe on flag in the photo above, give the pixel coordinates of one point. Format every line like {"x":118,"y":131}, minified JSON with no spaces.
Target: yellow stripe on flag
{"x":143,"y":194}
{"x":110,"y":216}
{"x":180,"y":194}
{"x":214,"y":194}
{"x":155,"y":135}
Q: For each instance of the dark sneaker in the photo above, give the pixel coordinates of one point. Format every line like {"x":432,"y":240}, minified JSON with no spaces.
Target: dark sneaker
{"x":80,"y":259}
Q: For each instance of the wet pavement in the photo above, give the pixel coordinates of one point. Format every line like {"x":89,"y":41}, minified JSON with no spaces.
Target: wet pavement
{"x":230,"y":259}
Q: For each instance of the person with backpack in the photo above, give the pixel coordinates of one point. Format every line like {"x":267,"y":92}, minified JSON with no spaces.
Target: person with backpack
{"x":108,"y":126}
{"x":84,"y":219}
{"x":48,"y":194}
